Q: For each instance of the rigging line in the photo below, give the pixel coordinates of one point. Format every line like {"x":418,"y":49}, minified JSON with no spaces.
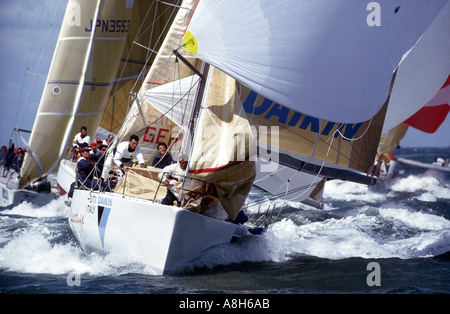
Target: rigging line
{"x":294,"y":190}
{"x":139,"y":34}
{"x":269,"y":175}
{"x":177,"y":73}
{"x":318,"y":173}
{"x":169,"y":109}
{"x":355,"y":139}
{"x":174,"y":5}
{"x":277,"y":196}
{"x":148,"y":48}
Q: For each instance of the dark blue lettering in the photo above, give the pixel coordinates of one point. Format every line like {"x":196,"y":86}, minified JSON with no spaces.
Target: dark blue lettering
{"x":105,"y":25}
{"x":327,"y":129}
{"x":113,"y":26}
{"x":278,"y":111}
{"x":249,"y":104}
{"x":295,"y":118}
{"x":350,"y":130}
{"x":88,"y":30}
{"x":314,"y":122}
{"x":340,"y":127}
{"x":110,"y":26}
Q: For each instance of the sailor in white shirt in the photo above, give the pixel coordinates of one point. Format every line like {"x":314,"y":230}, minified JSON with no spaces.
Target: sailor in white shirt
{"x":126,"y":151}
{"x":82,"y":139}
{"x":172,"y":175}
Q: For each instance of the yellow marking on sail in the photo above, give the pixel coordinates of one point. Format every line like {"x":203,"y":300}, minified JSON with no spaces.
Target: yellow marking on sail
{"x":190,"y":43}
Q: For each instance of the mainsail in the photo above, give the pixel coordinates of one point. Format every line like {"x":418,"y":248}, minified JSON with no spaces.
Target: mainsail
{"x":94,"y":41}
{"x":325,"y":59}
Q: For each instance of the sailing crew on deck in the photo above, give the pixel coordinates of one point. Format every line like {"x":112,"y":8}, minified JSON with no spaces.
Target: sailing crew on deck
{"x":82,"y":139}
{"x":108,"y":140}
{"x":172,"y":174}
{"x":126,"y":151}
{"x":18,"y":160}
{"x":163,"y":158}
{"x":85,"y":173}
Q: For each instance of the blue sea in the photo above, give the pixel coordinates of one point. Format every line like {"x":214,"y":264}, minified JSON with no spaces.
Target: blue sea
{"x":394,"y":240}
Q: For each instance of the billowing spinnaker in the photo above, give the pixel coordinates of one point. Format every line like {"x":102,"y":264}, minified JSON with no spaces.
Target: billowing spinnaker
{"x":331,"y":60}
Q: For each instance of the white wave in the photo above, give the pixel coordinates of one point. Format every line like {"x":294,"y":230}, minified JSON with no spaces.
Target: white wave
{"x":56,"y":208}
{"x":32,"y":243}
{"x":372,"y":233}
{"x":33,"y":253}
{"x":349,"y":191}
{"x":429,"y":188}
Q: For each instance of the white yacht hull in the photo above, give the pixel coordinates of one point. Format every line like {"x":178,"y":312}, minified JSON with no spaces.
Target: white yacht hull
{"x":421,"y":165}
{"x":162,"y":237}
{"x":11,"y":195}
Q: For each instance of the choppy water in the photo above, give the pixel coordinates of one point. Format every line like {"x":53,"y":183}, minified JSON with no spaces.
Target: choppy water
{"x":404,"y":229}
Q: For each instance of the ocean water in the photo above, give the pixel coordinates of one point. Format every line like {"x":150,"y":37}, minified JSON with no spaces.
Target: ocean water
{"x":390,"y":240}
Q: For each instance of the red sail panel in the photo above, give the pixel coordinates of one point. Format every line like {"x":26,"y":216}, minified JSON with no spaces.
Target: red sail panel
{"x":430,"y":117}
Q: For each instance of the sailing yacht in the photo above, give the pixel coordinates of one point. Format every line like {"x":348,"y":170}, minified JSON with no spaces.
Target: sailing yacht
{"x":249,"y":90}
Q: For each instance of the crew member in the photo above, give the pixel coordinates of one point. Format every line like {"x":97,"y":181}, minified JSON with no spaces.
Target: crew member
{"x":170,"y":176}
{"x":126,"y":151}
{"x":82,"y":139}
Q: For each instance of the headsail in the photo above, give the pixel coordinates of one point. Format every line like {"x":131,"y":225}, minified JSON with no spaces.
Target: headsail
{"x":325,"y":59}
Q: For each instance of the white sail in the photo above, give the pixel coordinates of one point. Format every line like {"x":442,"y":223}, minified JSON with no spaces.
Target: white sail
{"x":172,"y":105}
{"x":95,"y":41}
{"x":422,"y":73}
{"x":328,"y":59}
{"x":77,"y":83}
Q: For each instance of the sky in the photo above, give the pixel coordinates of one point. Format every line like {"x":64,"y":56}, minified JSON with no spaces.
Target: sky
{"x":28,"y":32}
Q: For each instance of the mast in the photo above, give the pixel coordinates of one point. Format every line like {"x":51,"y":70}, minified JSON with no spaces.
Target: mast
{"x":195,"y":110}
